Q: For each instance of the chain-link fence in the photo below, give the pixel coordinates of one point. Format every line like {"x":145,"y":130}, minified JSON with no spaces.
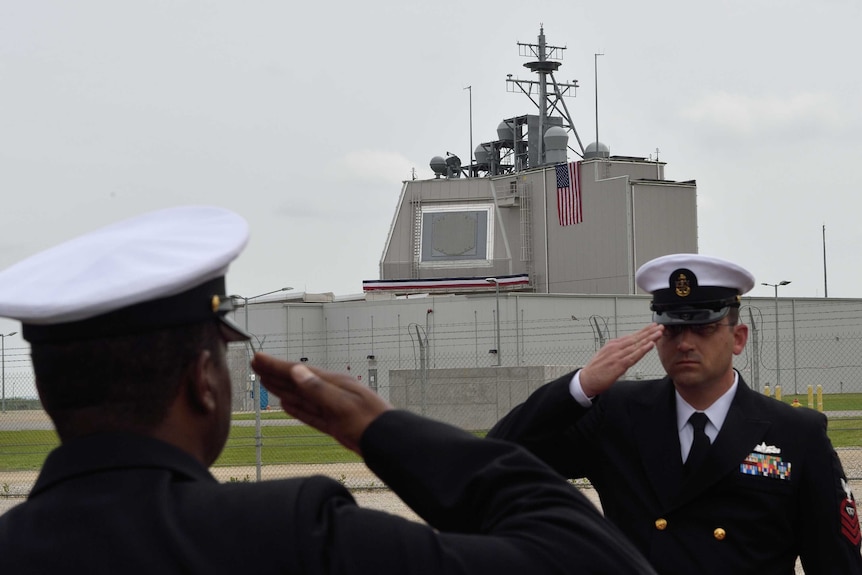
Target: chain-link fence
{"x":456,"y":360}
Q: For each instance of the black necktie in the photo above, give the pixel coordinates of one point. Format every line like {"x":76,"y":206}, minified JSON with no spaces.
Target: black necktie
{"x":700,"y":445}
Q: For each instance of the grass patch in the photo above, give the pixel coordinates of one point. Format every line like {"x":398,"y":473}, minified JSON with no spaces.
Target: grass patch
{"x":276,"y":414}
{"x":845,"y":431}
{"x":282,"y":445}
{"x":285,"y":444}
{"x":26,"y":450}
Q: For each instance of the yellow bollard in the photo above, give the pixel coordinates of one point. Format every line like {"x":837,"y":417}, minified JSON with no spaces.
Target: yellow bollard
{"x":778,"y":392}
{"x":766,"y":391}
{"x":811,"y":397}
{"x":820,"y":398}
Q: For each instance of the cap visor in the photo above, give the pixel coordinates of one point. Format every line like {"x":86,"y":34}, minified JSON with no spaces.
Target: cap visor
{"x":690,"y":316}
{"x":231,"y":331}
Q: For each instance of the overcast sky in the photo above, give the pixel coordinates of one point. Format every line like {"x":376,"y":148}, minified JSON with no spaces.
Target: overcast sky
{"x":306,"y":117}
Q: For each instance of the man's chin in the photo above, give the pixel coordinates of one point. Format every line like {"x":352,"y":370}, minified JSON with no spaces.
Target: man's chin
{"x":686,"y":375}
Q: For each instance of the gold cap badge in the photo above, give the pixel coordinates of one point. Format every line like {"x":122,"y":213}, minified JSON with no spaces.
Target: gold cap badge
{"x":682,"y":285}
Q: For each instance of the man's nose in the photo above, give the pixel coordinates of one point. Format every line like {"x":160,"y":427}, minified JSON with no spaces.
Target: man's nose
{"x":684,"y":340}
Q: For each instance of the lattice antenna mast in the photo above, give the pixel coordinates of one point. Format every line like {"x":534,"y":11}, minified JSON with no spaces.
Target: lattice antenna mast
{"x":546,"y":103}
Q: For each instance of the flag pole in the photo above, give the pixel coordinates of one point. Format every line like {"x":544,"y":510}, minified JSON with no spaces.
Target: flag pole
{"x":596,"y":75}
{"x":825,"y":286}
{"x":470,"y":92}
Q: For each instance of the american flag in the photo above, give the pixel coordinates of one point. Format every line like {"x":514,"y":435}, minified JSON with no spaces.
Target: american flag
{"x":569,"y":206}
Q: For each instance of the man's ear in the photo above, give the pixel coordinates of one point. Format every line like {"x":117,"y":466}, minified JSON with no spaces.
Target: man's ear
{"x":202,"y":384}
{"x":740,"y":337}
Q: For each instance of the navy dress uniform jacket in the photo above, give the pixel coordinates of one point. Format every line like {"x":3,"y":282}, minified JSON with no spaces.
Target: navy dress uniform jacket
{"x":128,"y":504}
{"x":721,"y":519}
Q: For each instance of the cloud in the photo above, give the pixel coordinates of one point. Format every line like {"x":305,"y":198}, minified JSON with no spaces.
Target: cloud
{"x":745,"y":116}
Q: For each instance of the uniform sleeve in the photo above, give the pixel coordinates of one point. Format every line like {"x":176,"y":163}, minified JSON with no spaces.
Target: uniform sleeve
{"x":491,"y":507}
{"x":545,"y":424}
{"x":829,"y":527}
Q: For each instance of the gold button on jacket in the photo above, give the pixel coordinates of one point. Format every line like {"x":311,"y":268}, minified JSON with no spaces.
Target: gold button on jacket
{"x":719,"y":533}
{"x":661,"y":524}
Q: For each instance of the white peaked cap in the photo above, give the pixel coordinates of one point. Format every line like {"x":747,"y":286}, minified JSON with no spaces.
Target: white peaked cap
{"x":148,"y":260}
{"x":710,"y":271}
{"x":692,"y":288}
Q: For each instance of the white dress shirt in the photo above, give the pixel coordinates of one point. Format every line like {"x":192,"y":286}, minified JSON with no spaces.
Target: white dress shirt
{"x":715,"y":413}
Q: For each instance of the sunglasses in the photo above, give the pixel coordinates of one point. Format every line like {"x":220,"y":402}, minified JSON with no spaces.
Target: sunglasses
{"x":700,"y":330}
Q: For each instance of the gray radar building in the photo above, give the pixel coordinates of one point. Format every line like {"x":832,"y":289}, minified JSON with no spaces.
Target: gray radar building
{"x":498,"y":273}
{"x":535,"y":209}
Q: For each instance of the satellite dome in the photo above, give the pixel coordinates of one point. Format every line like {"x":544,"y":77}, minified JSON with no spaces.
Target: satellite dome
{"x":438,"y":164}
{"x":556,"y":138}
{"x":505,"y":131}
{"x":482,"y":153}
{"x":597,"y":150}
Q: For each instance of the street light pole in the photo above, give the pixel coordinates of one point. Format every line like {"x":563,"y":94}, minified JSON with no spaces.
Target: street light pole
{"x":777,"y":358}
{"x":497,"y":322}
{"x":3,"y":363}
{"x":258,"y":437}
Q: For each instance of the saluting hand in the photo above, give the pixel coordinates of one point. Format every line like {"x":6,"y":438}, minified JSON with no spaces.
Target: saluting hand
{"x":616,"y":357}
{"x":334,"y":403}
